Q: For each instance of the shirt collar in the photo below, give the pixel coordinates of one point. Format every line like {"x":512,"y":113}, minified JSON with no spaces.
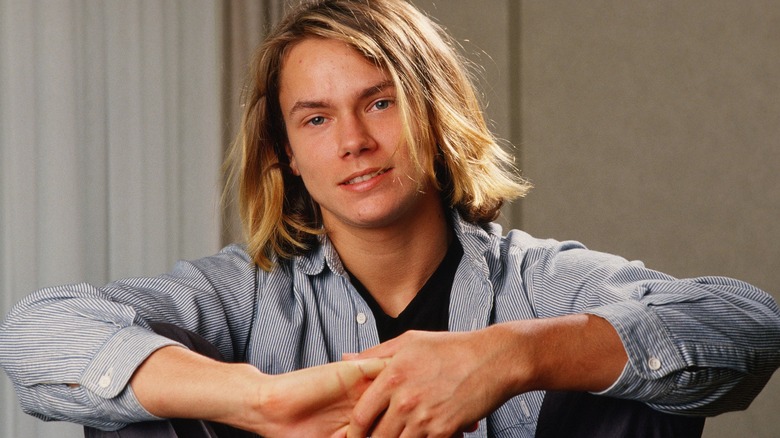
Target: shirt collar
{"x":313,"y":261}
{"x":475,"y":240}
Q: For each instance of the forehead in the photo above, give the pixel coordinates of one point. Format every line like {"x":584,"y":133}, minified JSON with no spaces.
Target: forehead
{"x":320,"y":63}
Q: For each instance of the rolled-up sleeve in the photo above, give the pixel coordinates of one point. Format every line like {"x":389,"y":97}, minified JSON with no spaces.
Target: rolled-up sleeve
{"x":698,"y":346}
{"x":70,"y":358}
{"x":71,"y":350}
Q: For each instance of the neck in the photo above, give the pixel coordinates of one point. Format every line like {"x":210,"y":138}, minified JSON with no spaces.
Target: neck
{"x":394,"y":262}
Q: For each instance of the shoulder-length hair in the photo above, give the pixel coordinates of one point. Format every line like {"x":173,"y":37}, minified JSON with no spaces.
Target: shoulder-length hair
{"x":443,"y":122}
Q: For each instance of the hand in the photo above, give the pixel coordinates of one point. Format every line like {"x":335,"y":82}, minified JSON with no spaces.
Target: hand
{"x":438,"y":384}
{"x":174,"y":382}
{"x":317,"y":401}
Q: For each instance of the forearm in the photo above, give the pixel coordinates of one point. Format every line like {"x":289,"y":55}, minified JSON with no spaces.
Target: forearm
{"x":177,"y":383}
{"x":575,"y":352}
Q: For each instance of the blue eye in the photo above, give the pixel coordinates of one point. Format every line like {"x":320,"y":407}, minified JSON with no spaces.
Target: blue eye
{"x":382,"y":104}
{"x":316,"y":121}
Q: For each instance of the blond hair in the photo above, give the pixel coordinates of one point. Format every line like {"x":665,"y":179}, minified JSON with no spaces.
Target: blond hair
{"x":444,"y":126}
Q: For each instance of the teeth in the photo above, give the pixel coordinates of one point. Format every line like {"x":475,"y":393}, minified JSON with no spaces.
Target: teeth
{"x":365,"y":177}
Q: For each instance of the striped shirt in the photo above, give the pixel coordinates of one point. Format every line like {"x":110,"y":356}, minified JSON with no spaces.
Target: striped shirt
{"x":698,"y":346}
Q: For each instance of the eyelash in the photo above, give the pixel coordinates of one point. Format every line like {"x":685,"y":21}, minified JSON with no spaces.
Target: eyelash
{"x":318,"y":120}
{"x":388,"y":102}
{"x":313,"y":119}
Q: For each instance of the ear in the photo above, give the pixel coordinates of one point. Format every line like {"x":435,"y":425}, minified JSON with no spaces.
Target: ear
{"x":293,"y":162}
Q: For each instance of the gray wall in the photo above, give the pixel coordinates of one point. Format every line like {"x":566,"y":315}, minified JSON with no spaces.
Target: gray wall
{"x":650,"y":129}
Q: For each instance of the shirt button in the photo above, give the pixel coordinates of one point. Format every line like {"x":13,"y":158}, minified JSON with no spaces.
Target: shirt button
{"x":654,"y":363}
{"x":104,"y":381}
{"x":361,"y":318}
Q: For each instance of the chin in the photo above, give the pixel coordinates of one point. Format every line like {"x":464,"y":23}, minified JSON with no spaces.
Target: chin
{"x":368,"y":219}
{"x":375,"y":214}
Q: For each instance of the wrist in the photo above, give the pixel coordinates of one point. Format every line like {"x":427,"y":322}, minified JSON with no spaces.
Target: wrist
{"x":245,"y":393}
{"x":518,"y":355}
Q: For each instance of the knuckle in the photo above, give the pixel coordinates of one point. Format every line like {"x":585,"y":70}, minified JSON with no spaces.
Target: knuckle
{"x":433,"y":426}
{"x":395,"y":379}
{"x":359,"y":419}
{"x":408,"y":403}
{"x":440,"y":429}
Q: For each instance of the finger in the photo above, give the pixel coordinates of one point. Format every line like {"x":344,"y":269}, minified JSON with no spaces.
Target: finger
{"x":349,"y":356}
{"x":356,"y":375}
{"x":472,"y":428}
{"x":368,"y":408}
{"x":338,"y":377}
{"x":340,"y":433}
{"x":385,"y":349}
{"x":370,"y":368}
{"x":393,"y":425}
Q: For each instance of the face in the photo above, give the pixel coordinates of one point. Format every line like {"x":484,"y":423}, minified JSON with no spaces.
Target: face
{"x":345,"y":137}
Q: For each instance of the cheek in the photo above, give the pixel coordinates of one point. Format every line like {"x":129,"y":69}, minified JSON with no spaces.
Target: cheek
{"x":404,"y":154}
{"x":309,"y":171}
{"x":304,"y":165}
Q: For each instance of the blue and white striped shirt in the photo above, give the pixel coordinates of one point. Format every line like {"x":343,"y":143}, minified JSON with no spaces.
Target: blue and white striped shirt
{"x":699,"y":346}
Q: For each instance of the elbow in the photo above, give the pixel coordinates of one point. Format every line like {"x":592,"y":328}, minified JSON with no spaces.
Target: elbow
{"x":713,"y":391}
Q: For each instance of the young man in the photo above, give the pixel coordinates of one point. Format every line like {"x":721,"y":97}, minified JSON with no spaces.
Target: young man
{"x":367,"y":182}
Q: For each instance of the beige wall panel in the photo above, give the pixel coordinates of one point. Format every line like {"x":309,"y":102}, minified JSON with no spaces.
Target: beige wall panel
{"x":652,"y":130}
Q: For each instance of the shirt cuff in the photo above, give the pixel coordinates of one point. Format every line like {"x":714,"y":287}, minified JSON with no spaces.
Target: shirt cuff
{"x":109,"y":372}
{"x":652,"y":355}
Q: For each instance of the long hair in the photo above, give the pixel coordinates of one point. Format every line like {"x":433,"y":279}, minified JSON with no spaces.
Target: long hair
{"x":443,"y":122}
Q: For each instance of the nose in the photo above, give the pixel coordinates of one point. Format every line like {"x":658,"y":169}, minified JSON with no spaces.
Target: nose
{"x":354,"y":136}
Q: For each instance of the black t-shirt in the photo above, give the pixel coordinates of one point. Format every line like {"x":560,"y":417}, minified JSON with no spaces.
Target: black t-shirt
{"x":429,"y":309}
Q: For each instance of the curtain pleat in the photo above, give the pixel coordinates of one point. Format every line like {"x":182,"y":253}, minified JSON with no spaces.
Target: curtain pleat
{"x":111,"y":145}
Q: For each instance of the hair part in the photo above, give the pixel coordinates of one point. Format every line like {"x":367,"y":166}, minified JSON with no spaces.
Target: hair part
{"x":443,"y":123}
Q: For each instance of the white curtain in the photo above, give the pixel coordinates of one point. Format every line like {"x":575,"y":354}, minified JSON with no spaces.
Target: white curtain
{"x":114,"y":115}
{"x":111,"y":141}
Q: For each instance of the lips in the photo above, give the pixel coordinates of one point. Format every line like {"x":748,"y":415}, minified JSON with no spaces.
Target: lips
{"x":364,"y":177}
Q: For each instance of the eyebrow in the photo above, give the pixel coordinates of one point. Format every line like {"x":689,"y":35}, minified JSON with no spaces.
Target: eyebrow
{"x":316,"y":104}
